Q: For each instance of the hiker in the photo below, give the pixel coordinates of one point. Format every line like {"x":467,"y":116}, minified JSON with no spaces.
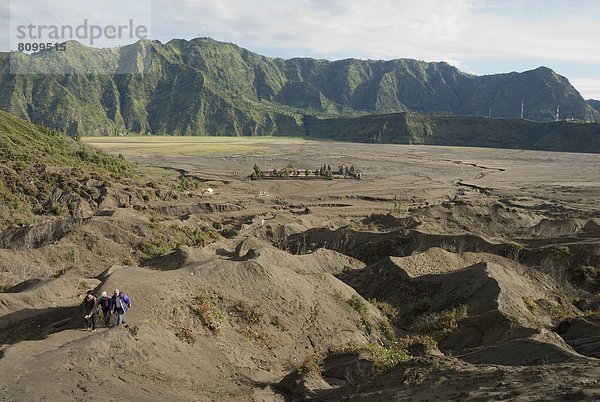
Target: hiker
{"x":104,"y":303}
{"x":90,"y":308}
{"x":120,"y":303}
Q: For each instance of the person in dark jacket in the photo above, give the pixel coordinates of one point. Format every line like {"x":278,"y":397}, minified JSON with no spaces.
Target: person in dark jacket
{"x":120,"y":303}
{"x":104,"y":304}
{"x":90,"y":309}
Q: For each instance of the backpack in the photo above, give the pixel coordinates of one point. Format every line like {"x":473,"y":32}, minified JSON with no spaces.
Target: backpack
{"x":105,"y":302}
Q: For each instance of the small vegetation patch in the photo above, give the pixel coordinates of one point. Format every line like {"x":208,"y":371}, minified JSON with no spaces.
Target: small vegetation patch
{"x":259,"y":338}
{"x":60,"y":273}
{"x":361,"y":308}
{"x":310,"y":365}
{"x":69,"y":257}
{"x":209,"y":314}
{"x":421,"y":307}
{"x":389,"y":311}
{"x":387,"y":330}
{"x":186,"y":335}
{"x":531,"y":305}
{"x":189,"y":182}
{"x":173,"y":237}
{"x":385,"y":358}
{"x":559,"y":311}
{"x":560,"y":252}
{"x":110,"y":164}
{"x":440,"y":324}
{"x":358,"y":305}
{"x":512,"y":251}
{"x":407,"y":341}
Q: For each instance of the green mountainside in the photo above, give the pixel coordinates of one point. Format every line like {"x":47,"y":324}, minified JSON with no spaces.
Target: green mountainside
{"x":44,"y":172}
{"x":594,"y":103}
{"x":412,"y":128}
{"x":205,"y":87}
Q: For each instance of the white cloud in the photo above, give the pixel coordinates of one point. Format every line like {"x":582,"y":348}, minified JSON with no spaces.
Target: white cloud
{"x":374,"y":29}
{"x":589,"y":87}
{"x":431,"y":30}
{"x":457,"y":31}
{"x":559,"y":39}
{"x":450,"y":30}
{"x":40,"y":21}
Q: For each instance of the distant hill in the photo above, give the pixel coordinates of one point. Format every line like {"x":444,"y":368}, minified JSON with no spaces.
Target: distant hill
{"x":411,"y":128}
{"x":594,"y":103}
{"x":205,"y":87}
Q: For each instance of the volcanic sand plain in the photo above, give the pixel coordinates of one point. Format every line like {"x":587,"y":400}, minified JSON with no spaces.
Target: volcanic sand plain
{"x":470,"y":253}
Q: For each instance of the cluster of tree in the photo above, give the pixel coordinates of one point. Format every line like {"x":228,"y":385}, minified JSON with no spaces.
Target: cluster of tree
{"x":276,"y":173}
{"x":348,"y":171}
{"x":284,"y":173}
{"x":257,"y":172}
{"x":324,"y":171}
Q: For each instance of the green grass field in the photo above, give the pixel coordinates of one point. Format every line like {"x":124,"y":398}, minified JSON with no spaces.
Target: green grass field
{"x":171,"y":145}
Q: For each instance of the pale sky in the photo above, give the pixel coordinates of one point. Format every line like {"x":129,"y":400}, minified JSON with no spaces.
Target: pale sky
{"x":477,"y":36}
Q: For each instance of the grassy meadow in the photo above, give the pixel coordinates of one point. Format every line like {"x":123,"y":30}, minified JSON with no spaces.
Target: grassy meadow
{"x":178,"y":145}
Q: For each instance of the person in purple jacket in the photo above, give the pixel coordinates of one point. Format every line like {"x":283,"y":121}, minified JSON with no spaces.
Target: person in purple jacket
{"x":120,"y":303}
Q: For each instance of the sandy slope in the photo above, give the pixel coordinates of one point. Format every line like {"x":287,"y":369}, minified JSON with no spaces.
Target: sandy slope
{"x":278,"y":309}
